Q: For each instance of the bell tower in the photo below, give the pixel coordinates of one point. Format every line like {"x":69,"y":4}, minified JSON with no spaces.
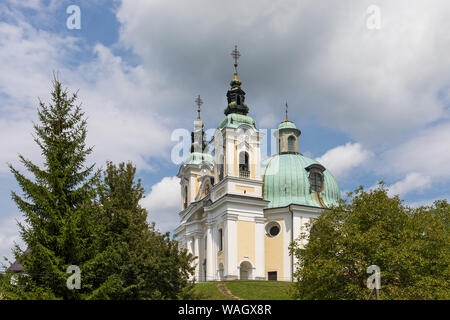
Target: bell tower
{"x":237,"y":141}
{"x":197,"y":165}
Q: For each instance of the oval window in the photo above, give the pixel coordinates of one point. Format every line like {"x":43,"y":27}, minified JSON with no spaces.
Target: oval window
{"x":273,"y":229}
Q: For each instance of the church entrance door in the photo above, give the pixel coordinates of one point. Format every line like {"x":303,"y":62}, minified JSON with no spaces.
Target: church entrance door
{"x":245,"y":272}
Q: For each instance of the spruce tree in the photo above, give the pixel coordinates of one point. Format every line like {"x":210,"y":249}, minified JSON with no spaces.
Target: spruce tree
{"x":58,"y":203}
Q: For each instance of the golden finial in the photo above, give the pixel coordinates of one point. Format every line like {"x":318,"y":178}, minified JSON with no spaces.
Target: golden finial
{"x":199,"y":102}
{"x":236,"y":54}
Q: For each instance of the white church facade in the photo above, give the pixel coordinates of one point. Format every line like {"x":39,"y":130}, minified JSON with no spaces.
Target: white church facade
{"x":239,"y":212}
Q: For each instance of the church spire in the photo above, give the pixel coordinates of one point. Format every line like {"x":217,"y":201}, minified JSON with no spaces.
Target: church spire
{"x":236,"y":96}
{"x":286,"y":119}
{"x":199,"y":102}
{"x":235,"y":54}
{"x":198,"y":142}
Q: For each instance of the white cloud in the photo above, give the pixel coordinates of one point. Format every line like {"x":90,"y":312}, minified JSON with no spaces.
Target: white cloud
{"x":124,"y":122}
{"x":377,"y":86}
{"x":31,"y":4}
{"x":371,"y":84}
{"x":412,"y":182}
{"x":163,"y":203}
{"x":340,"y":160}
{"x":268,"y":121}
{"x":9,"y":234}
{"x":427,"y":153}
{"x":122,"y":102}
{"x":426,"y":202}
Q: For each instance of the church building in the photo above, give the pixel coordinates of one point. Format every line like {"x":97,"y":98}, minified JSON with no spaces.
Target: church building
{"x":239,"y":213}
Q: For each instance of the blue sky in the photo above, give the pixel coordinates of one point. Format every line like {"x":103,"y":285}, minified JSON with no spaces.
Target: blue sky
{"x":372,"y":103}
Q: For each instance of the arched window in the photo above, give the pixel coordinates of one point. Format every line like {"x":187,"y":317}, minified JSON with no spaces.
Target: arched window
{"x":316,"y":181}
{"x":244,"y":167}
{"x":185,"y":197}
{"x":291,"y":144}
{"x":220,"y":239}
{"x":220,"y":172}
{"x":221,"y":163}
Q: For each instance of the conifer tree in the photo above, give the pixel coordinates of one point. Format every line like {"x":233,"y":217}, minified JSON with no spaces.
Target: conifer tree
{"x":135,"y":260}
{"x":73,"y":217}
{"x":58,"y":203}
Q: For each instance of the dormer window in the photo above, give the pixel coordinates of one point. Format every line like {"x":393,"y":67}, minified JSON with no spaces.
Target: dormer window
{"x":315,"y":177}
{"x":316,"y":181}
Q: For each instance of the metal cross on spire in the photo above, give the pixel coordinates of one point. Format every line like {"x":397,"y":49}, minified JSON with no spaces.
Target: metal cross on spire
{"x":286,"y":112}
{"x":199,"y":102}
{"x":235,"y":54}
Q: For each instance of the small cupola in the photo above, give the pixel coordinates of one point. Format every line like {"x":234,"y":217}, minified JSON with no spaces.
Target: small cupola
{"x":287,"y":136}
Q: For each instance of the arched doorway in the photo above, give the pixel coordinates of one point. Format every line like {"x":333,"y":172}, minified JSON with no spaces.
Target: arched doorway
{"x":245,"y":271}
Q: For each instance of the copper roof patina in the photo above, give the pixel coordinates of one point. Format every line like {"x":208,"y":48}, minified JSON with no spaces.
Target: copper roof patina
{"x":286,"y":181}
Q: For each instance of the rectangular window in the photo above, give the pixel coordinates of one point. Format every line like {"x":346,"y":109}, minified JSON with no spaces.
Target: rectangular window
{"x":220,"y":240}
{"x":272,"y":275}
{"x":205,"y":242}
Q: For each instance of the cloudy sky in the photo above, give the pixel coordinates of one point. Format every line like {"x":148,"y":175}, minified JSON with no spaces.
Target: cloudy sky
{"x":367,"y":82}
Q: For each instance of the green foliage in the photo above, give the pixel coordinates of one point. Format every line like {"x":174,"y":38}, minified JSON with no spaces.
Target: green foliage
{"x":74,"y":217}
{"x":260,"y":289}
{"x":410,"y":245}
{"x":57,"y":205}
{"x":136,"y":261}
{"x":209,"y":291}
{"x":245,"y":289}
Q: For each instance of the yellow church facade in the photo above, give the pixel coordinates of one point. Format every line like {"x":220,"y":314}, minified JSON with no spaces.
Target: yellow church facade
{"x":240,"y":213}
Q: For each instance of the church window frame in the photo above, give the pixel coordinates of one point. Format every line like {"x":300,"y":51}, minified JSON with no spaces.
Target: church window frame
{"x":291,"y":140}
{"x":272,"y":276}
{"x":244,"y":164}
{"x":316,"y":177}
{"x":185,"y":197}
{"x":273,"y":229}
{"x":220,"y":239}
{"x":221,"y":172}
{"x":316,"y":181}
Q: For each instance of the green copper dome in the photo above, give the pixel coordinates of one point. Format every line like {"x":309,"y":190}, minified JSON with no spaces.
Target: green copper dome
{"x":286,"y":181}
{"x":234,"y":120}
{"x":196,"y":158}
{"x":287,"y":125}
